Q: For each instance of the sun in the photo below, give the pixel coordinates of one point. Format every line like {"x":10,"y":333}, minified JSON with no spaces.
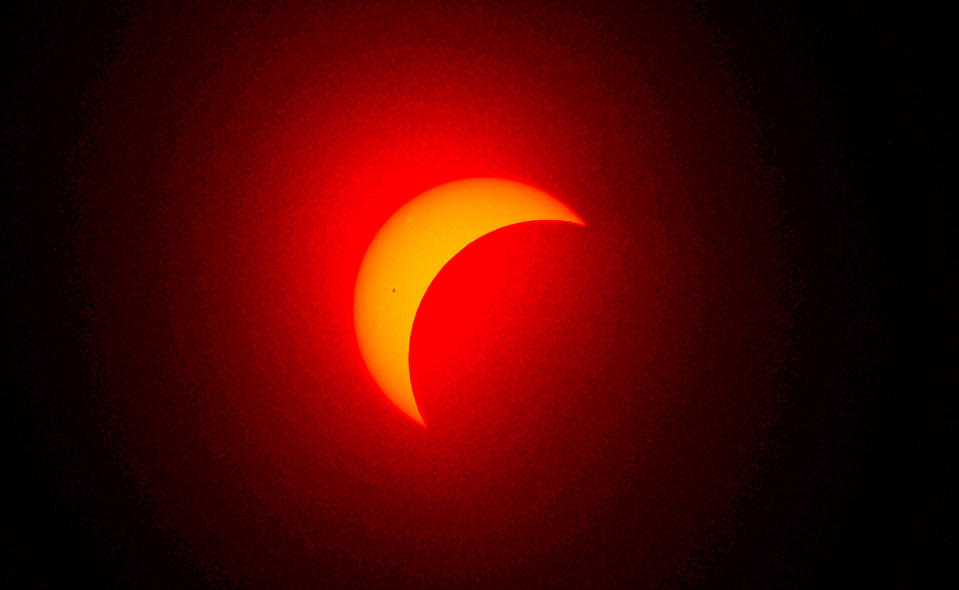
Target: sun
{"x":409,"y":251}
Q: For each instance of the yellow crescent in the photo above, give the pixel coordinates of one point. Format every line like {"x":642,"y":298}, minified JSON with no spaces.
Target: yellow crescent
{"x":410,"y":250}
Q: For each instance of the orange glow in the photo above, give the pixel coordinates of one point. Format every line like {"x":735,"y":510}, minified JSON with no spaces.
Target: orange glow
{"x":410,"y":250}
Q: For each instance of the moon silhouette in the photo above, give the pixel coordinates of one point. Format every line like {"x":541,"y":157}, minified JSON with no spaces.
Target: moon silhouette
{"x":410,"y":250}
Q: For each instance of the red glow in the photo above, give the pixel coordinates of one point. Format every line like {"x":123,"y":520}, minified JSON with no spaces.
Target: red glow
{"x":580,"y":392}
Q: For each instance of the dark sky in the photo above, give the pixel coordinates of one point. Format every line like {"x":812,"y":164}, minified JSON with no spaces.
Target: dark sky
{"x":716,"y":383}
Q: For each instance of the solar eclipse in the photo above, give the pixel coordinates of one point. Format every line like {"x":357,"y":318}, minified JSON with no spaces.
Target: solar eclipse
{"x":411,"y":248}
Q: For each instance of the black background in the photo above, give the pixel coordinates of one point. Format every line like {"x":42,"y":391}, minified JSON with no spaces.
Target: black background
{"x":846,"y":488}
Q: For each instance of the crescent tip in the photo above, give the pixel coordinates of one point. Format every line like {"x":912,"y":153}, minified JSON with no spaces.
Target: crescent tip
{"x":418,"y":418}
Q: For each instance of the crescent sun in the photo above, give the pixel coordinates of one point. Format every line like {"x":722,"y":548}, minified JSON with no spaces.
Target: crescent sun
{"x":410,"y":250}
